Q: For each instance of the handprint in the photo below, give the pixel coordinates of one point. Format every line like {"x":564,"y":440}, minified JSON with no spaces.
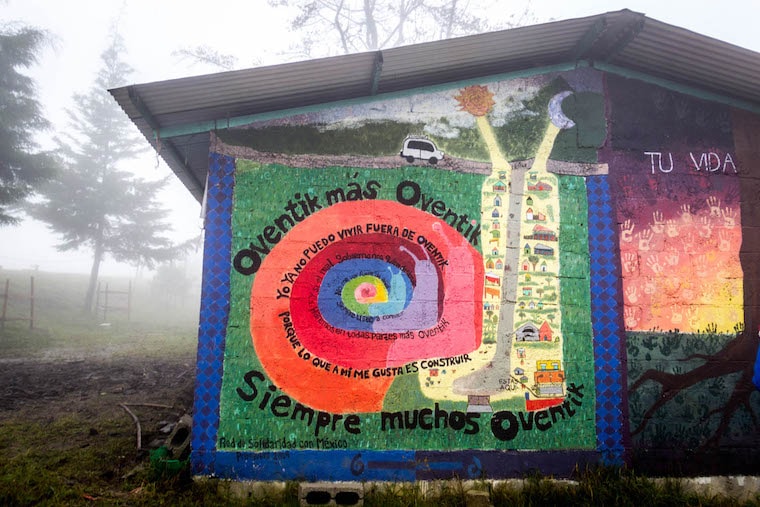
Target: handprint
{"x":631,"y":320}
{"x":630,"y":262}
{"x":724,"y":241}
{"x":676,"y":314}
{"x":626,"y":231}
{"x":686,"y":215}
{"x":688,"y":243}
{"x":693,"y":317}
{"x":714,"y":204}
{"x":681,"y":106}
{"x":671,"y":228}
{"x":650,"y":287}
{"x":732,"y":194}
{"x":705,"y":227}
{"x":729,"y":216}
{"x":670,"y":286}
{"x":671,"y":257}
{"x":644,"y":238}
{"x":653,"y":262}
{"x":701,"y":265}
{"x":628,"y":184}
{"x":632,"y":294}
{"x":658,"y":225}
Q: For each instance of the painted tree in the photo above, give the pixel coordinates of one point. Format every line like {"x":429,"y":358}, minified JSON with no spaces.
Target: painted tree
{"x":478,"y":101}
{"x":95,"y":203}
{"x":22,"y":166}
{"x":736,"y":357}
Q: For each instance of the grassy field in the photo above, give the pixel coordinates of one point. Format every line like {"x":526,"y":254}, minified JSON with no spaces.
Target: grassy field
{"x":65,"y":440}
{"x":158,"y":318}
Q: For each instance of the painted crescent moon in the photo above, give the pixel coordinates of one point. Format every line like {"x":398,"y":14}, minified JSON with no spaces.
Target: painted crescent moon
{"x":555,"y":111}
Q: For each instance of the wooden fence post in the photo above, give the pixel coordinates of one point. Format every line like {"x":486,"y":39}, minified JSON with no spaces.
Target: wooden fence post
{"x":97,"y":302}
{"x":105,"y":304}
{"x":5,"y":302}
{"x":6,"y":296}
{"x":31,"y":303}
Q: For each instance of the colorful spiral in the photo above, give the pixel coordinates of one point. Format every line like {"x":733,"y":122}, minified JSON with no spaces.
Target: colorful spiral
{"x":356,"y":290}
{"x":360,"y":286}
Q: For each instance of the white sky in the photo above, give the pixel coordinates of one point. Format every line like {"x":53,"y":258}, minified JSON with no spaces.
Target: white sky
{"x":254,"y":32}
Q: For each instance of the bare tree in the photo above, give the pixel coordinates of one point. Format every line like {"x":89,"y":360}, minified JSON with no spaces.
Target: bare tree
{"x":366,"y":25}
{"x":332,"y":27}
{"x":207,"y":55}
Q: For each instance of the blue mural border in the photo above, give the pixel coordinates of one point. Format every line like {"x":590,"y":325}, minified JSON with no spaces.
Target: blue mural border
{"x":342,"y":465}
{"x":607,"y":324}
{"x":353,"y":465}
{"x":215,"y":305}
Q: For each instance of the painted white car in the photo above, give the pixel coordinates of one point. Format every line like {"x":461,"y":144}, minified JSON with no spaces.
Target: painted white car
{"x":420,"y":148}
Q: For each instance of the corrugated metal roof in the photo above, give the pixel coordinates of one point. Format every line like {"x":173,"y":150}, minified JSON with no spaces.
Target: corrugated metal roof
{"x":176,"y":115}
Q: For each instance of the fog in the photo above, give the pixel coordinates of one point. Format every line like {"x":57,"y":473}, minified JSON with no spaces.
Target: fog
{"x":257,"y":35}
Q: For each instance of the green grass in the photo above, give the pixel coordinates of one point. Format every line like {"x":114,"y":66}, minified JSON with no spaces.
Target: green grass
{"x":82,"y":466}
{"x":28,"y":479}
{"x":64,"y":455}
{"x":156,"y":323}
{"x":605,"y":486}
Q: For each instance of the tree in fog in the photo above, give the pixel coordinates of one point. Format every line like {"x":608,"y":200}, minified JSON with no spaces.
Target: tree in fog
{"x":207,"y":55}
{"x":328,"y":27}
{"x":22,"y":167}
{"x":331,"y":27}
{"x":95,"y":203}
{"x":171,"y":285}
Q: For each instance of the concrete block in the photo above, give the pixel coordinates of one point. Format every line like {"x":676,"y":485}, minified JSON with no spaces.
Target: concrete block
{"x":474,"y":498}
{"x":331,"y":493}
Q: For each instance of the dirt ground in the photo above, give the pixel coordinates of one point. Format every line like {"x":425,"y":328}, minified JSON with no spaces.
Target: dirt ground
{"x":90,"y":392}
{"x":44,"y":389}
{"x":48,"y":387}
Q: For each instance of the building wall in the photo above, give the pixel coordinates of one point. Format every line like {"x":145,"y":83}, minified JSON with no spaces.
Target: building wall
{"x":564,"y":270}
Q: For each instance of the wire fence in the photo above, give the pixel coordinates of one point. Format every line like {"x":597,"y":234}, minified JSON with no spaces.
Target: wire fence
{"x":7,"y":295}
{"x":109,"y":300}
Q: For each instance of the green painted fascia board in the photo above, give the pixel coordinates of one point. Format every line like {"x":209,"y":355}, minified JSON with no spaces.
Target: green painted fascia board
{"x":212,"y":125}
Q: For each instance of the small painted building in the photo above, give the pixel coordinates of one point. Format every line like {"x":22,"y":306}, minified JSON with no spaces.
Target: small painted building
{"x":344,"y":265}
{"x":549,"y":376}
{"x":542,"y":233}
{"x":540,"y":186}
{"x":528,"y":332}
{"x":545,"y":332}
{"x":541,"y":249}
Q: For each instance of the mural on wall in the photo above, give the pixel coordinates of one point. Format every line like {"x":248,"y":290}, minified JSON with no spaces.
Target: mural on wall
{"x":400,"y":270}
{"x":678,"y":209}
{"x":552,"y":263}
